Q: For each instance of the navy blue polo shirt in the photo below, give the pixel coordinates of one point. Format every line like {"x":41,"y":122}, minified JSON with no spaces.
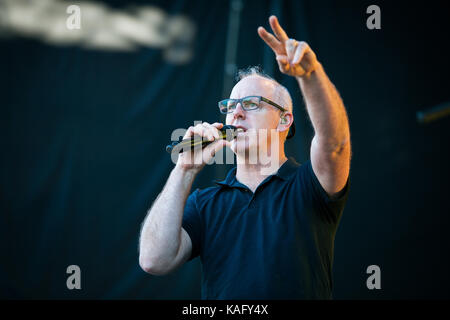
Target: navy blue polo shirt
{"x":276,"y":243}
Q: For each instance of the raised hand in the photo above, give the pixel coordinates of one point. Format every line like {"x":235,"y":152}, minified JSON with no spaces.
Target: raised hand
{"x":195,"y":161}
{"x":294,"y":58}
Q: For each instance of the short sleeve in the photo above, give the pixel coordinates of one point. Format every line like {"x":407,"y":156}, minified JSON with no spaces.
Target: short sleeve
{"x":192,"y":223}
{"x":329,"y":207}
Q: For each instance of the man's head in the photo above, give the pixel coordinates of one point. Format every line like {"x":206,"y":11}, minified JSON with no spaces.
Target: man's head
{"x":253,"y":82}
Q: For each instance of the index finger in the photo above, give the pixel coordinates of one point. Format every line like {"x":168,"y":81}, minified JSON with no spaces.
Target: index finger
{"x":271,"y":41}
{"x":277,"y":29}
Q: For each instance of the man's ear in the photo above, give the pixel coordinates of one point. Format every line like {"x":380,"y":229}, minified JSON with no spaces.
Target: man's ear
{"x":286,"y":120}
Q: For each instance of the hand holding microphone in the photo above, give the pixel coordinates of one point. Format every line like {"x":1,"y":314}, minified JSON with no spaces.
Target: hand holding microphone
{"x":204,"y":134}
{"x":210,"y":137}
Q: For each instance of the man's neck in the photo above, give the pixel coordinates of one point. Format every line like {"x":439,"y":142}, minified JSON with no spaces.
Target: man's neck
{"x":252,"y":175}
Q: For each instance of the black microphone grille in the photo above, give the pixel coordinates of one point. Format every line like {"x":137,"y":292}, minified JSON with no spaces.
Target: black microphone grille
{"x":228,"y":135}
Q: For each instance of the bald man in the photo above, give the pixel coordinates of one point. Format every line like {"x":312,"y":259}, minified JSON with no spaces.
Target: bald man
{"x":267,"y":230}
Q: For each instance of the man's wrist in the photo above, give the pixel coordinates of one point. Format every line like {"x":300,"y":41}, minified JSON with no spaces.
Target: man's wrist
{"x":185,"y":173}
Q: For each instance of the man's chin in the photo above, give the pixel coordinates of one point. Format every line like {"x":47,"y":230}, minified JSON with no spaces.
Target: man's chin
{"x":243,"y":149}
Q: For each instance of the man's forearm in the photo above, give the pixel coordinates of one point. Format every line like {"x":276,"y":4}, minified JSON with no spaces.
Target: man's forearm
{"x":161,"y":230}
{"x":325,"y":109}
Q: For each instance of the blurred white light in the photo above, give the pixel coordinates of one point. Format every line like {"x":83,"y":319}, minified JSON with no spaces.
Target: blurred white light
{"x":102,"y":28}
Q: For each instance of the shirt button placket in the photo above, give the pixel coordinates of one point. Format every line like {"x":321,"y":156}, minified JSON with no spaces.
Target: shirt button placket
{"x":251,"y":203}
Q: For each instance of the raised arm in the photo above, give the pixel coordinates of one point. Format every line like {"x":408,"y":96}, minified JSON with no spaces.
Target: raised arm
{"x":330,"y":147}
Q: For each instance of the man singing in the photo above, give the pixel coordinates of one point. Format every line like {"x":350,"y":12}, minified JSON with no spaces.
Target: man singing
{"x":267,"y":231}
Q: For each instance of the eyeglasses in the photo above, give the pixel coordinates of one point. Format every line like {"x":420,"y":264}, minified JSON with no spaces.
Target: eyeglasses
{"x":247,"y":103}
{"x":251,"y":103}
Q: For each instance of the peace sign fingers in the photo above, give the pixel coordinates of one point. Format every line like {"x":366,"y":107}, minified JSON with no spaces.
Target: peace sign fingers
{"x":272,"y":41}
{"x":277,"y":29}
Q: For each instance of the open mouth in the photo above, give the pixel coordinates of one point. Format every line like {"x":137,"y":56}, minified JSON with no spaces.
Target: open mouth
{"x":240,"y":132}
{"x":240,"y":129}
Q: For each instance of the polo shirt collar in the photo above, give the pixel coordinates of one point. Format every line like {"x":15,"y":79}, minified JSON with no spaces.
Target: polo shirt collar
{"x":230,"y":180}
{"x":288,"y":168}
{"x":284,"y":172}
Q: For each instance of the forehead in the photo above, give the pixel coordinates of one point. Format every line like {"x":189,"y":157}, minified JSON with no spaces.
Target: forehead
{"x":254,"y":86}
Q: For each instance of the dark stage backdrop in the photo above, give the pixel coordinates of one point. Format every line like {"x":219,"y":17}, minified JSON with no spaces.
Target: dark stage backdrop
{"x":83,"y":132}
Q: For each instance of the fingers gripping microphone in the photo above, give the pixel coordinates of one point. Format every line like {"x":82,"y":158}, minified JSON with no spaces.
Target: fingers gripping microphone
{"x":227,"y":132}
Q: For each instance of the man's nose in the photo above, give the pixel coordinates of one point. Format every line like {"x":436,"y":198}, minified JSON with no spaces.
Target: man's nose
{"x":238,"y":112}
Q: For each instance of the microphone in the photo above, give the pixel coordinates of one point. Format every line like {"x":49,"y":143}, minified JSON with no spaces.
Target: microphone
{"x":197,"y":141}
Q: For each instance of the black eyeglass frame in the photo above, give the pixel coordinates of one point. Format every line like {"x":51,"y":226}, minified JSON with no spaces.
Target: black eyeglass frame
{"x":260,"y":98}
{"x":292,"y":127}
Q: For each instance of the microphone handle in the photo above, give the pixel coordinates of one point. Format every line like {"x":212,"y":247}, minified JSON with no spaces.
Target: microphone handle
{"x":197,"y":141}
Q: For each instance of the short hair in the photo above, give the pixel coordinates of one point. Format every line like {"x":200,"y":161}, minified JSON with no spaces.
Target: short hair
{"x":281,"y":92}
